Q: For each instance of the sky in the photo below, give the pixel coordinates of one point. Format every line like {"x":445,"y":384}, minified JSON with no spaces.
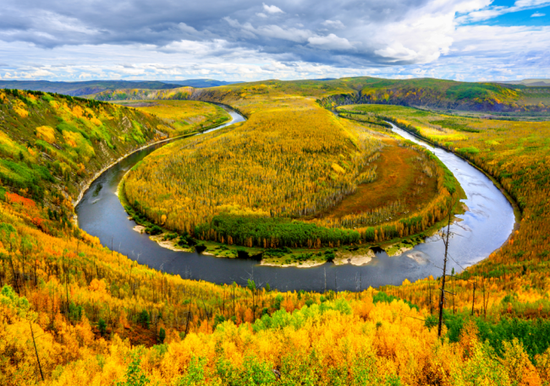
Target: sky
{"x":245,"y":40}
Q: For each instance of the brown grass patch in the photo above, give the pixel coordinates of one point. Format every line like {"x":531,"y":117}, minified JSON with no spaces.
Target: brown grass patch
{"x":398,"y":174}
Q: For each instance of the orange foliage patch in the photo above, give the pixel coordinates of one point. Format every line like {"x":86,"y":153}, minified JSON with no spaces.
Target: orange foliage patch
{"x":17,"y":199}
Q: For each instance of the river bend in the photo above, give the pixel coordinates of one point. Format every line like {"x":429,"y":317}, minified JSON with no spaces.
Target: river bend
{"x":483,"y":228}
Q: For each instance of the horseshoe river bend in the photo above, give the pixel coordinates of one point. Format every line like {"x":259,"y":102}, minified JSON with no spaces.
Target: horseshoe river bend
{"x":484,"y":227}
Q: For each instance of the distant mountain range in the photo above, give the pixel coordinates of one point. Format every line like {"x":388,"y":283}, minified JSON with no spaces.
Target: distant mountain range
{"x":530,"y":82}
{"x":198,"y":83}
{"x":97,"y":86}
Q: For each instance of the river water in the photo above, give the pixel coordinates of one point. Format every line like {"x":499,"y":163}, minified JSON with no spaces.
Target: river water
{"x":483,"y":228}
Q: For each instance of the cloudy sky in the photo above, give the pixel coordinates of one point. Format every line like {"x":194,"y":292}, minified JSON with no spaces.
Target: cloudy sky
{"x":251,"y":40}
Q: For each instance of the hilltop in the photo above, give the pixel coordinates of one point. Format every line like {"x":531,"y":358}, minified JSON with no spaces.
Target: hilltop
{"x":84,"y":88}
{"x":525,"y":96}
{"x":425,"y":93}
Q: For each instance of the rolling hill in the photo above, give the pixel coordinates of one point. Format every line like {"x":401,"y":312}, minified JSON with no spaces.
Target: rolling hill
{"x":530,"y":82}
{"x":424,"y":93}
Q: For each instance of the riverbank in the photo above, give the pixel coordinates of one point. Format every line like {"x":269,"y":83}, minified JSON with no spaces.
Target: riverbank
{"x":87,"y":185}
{"x":498,"y":185}
{"x":356,"y":255}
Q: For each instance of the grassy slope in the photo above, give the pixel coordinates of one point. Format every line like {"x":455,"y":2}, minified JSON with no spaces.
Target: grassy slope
{"x":184,"y":117}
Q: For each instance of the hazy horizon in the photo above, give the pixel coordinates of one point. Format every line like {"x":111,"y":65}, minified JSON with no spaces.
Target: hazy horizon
{"x":244,"y":40}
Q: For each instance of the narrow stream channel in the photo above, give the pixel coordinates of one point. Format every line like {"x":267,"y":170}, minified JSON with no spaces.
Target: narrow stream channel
{"x":482,"y":229}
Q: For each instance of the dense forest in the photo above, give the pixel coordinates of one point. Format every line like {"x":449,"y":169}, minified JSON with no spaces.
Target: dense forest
{"x":74,"y":312}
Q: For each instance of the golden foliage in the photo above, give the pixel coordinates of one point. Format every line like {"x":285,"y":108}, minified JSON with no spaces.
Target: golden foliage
{"x":46,"y":133}
{"x":19,"y":108}
{"x":276,"y":161}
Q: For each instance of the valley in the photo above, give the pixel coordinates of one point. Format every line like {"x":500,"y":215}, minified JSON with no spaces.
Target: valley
{"x":106,"y":308}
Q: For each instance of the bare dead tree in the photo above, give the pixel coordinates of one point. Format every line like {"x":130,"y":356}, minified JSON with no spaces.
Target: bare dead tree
{"x":454,"y":290}
{"x":474,"y":298}
{"x":430,"y":294}
{"x":485,"y":300}
{"x":444,"y":276}
{"x":66,"y":278}
{"x":36,"y":352}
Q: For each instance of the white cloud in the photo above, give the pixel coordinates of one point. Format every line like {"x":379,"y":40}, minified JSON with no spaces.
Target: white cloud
{"x":272,"y":9}
{"x":190,"y":47}
{"x":397,"y":52}
{"x":530,"y":3}
{"x":330,"y":42}
{"x":538,"y":14}
{"x":66,"y":24}
{"x":484,"y":14}
{"x":233,"y":23}
{"x":186,"y":28}
{"x":333,"y":24}
{"x":497,"y":40}
{"x":470,"y":5}
{"x":291,"y":34}
{"x":422,"y":37}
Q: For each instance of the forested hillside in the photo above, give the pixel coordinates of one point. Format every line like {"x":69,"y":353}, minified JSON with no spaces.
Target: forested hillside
{"x":51,"y":145}
{"x":73,"y":312}
{"x":440,"y":94}
{"x":124,"y":94}
{"x":82,"y":88}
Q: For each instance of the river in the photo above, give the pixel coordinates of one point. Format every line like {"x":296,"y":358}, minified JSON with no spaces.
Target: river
{"x":483,"y":228}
